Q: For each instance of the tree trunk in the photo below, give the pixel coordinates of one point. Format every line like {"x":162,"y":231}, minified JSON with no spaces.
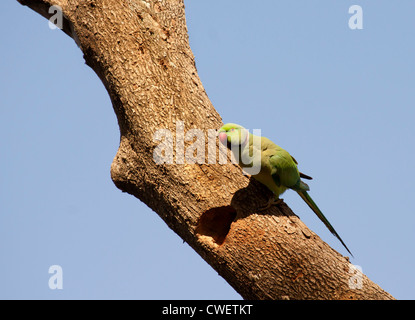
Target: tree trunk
{"x":140,"y":51}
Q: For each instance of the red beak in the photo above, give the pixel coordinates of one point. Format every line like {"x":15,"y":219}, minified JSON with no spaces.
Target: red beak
{"x":223,"y":137}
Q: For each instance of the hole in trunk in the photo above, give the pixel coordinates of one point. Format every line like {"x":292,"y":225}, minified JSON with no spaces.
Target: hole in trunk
{"x":216,"y":223}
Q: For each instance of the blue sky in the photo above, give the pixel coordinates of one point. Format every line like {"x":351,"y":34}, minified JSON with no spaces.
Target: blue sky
{"x":340,"y":100}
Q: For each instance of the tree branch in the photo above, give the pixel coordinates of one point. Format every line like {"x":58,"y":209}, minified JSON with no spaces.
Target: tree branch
{"x":140,"y":51}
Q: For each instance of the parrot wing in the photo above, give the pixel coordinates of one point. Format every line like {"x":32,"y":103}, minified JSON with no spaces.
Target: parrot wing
{"x":283,"y":169}
{"x":284,"y":172}
{"x":302,"y":175}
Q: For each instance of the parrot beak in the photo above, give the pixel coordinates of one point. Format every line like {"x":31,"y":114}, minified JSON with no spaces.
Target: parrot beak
{"x":223,"y":137}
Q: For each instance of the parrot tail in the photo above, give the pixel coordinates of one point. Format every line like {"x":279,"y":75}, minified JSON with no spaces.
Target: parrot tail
{"x":305,"y":196}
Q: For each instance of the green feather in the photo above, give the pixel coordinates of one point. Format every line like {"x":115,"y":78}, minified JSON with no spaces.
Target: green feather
{"x":278,"y":170}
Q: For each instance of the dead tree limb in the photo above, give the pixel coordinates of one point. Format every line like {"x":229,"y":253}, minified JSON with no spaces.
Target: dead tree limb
{"x":140,"y":51}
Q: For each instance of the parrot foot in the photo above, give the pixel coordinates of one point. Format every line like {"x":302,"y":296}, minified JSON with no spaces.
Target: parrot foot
{"x":272,"y":202}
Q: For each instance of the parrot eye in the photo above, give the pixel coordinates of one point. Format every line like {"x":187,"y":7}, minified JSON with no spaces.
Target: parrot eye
{"x":232,"y":130}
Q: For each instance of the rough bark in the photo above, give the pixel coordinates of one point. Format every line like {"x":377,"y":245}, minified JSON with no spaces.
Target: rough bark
{"x":140,"y":51}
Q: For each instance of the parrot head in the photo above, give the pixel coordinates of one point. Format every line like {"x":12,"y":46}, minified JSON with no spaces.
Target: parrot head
{"x":232,"y":134}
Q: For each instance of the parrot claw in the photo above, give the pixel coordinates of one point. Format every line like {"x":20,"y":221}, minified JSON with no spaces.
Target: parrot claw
{"x":272,"y":202}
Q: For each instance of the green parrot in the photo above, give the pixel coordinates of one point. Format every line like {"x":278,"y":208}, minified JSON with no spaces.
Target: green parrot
{"x":271,"y":165}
